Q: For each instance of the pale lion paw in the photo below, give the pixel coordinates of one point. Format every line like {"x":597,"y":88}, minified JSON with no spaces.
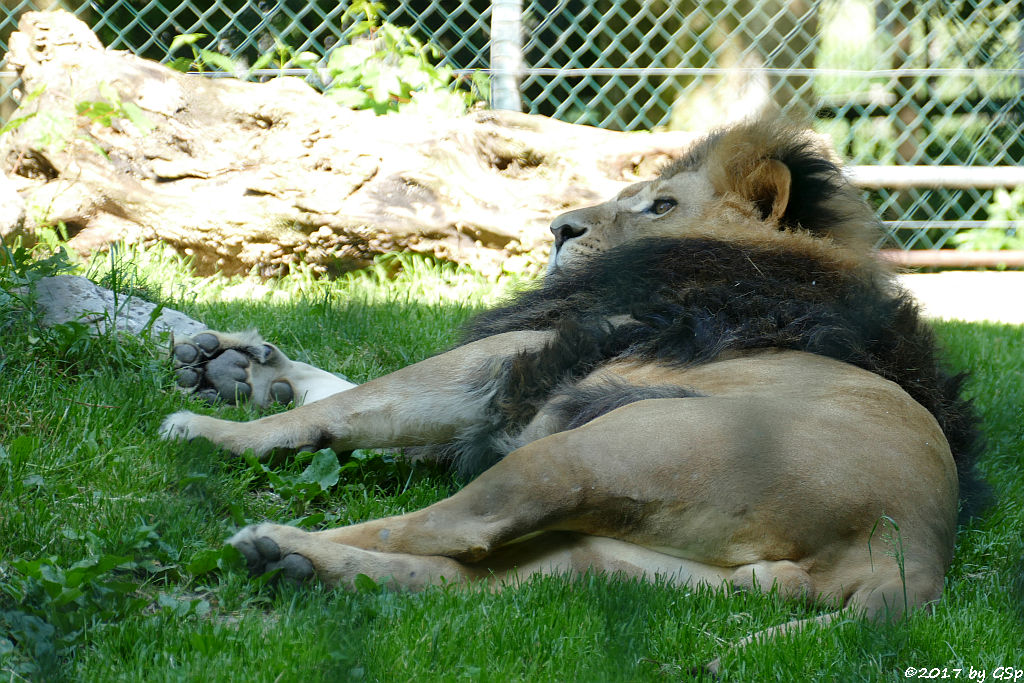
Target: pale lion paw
{"x":216,"y":366}
{"x":263,"y":554}
{"x":179,"y":425}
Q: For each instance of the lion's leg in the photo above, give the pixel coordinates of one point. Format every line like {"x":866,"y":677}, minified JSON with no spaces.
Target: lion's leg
{"x":598,"y":479}
{"x":885,"y":596}
{"x":242,"y":366}
{"x":428,"y":402}
{"x":302,"y":555}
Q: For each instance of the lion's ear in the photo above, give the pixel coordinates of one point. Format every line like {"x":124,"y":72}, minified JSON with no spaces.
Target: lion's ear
{"x":768,"y":187}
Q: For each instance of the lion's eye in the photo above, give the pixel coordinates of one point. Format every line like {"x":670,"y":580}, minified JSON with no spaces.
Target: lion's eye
{"x":662,"y":206}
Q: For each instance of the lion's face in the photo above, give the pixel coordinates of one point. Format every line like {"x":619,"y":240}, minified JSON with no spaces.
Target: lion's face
{"x":758,"y":181}
{"x":664,"y":207}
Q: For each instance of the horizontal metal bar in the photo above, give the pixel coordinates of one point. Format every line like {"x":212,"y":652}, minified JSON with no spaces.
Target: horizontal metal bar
{"x":776,"y":71}
{"x":659,"y":71}
{"x":954,"y":225}
{"x":952,"y":258}
{"x":953,"y":177}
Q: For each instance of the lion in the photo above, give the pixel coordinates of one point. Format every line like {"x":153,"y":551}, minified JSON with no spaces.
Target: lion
{"x":716,"y":382}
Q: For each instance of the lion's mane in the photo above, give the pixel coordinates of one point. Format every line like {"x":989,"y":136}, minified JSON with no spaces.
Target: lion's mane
{"x":692,"y":298}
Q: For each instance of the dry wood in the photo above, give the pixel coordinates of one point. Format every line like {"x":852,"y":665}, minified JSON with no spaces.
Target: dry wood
{"x":250,"y":176}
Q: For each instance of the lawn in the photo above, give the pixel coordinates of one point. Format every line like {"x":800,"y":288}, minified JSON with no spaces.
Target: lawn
{"x":111,"y":558}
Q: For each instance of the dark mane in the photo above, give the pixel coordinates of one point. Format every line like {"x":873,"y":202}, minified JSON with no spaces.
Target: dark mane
{"x":692,"y":299}
{"x":821,"y":199}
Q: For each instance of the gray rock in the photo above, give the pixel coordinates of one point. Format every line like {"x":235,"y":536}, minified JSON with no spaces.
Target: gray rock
{"x":69,"y":297}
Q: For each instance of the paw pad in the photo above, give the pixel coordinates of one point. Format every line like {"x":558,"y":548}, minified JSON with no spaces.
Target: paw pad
{"x":263,"y":554}
{"x":220,"y":367}
{"x":282,"y":392}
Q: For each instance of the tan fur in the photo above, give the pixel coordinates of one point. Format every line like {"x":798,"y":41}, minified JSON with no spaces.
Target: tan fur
{"x":784,"y":473}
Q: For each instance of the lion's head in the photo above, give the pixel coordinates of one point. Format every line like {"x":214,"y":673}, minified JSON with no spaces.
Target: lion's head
{"x":744,"y":183}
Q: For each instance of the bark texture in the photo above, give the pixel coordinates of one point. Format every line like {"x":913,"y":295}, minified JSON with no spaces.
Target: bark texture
{"x":261,"y":176}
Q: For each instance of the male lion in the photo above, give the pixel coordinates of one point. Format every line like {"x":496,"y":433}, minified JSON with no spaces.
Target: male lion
{"x":716,"y":382}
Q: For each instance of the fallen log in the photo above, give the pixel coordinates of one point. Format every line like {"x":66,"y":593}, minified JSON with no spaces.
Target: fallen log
{"x":257,"y":177}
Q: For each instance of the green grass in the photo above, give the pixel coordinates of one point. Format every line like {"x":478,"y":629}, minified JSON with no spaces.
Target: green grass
{"x":109,"y":538}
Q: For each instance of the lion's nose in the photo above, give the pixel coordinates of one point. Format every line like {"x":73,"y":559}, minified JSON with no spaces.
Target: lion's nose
{"x":565,"y":230}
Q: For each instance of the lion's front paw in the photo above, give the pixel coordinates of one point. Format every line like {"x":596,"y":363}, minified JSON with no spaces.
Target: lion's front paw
{"x":179,"y":425}
{"x":217,"y":366}
{"x":265,"y":549}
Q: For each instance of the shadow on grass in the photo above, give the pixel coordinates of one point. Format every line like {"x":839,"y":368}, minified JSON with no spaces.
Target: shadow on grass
{"x":89,"y":479}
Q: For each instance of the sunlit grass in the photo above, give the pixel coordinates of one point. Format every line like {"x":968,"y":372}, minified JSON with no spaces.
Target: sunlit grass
{"x":83,"y":479}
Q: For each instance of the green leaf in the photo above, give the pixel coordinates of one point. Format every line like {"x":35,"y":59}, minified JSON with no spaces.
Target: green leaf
{"x":365,"y":584}
{"x":109,"y":93}
{"x":346,"y":56}
{"x":361,"y":27}
{"x":305,"y":60}
{"x":185,"y":39}
{"x":22,"y":448}
{"x":204,"y":561}
{"x":269,"y":577}
{"x":230,"y":558}
{"x":210,"y":559}
{"x":264,"y":61}
{"x":237,"y":513}
{"x":34,"y":95}
{"x":15,"y":123}
{"x":219,"y":61}
{"x":33,"y":481}
{"x":121,"y":587}
{"x":323,"y":471}
{"x":308,"y":521}
{"x":353,"y":98}
{"x":182,"y":64}
{"x":134,"y":114}
{"x":66,"y":596}
{"x":386,"y":85}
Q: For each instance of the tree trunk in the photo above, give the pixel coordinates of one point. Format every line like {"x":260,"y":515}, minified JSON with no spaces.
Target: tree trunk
{"x":247,"y":176}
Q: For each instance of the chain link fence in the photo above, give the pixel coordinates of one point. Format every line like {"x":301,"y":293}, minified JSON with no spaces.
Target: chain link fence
{"x":900,"y":82}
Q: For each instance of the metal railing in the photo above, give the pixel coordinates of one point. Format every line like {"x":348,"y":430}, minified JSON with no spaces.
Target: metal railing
{"x":918,"y":83}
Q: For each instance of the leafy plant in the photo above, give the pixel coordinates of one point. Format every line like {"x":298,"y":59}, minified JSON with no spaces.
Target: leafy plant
{"x":18,"y":121}
{"x":382,"y":67}
{"x":46,"y":608}
{"x":299,"y":490}
{"x":893,"y":539}
{"x":1006,"y":206}
{"x":110,"y":109}
{"x":385,"y":66}
{"x":202,"y":60}
{"x":284,"y":57}
{"x":19,"y":272}
{"x":72,"y":346}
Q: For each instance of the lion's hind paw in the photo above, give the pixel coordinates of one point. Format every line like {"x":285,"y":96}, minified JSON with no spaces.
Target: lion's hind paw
{"x":263,"y":554}
{"x":218,"y":366}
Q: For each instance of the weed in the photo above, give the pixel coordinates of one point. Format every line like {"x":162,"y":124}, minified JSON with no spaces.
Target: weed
{"x":894,"y":540}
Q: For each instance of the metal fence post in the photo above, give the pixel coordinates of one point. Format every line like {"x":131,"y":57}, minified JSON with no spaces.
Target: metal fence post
{"x":506,"y":54}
